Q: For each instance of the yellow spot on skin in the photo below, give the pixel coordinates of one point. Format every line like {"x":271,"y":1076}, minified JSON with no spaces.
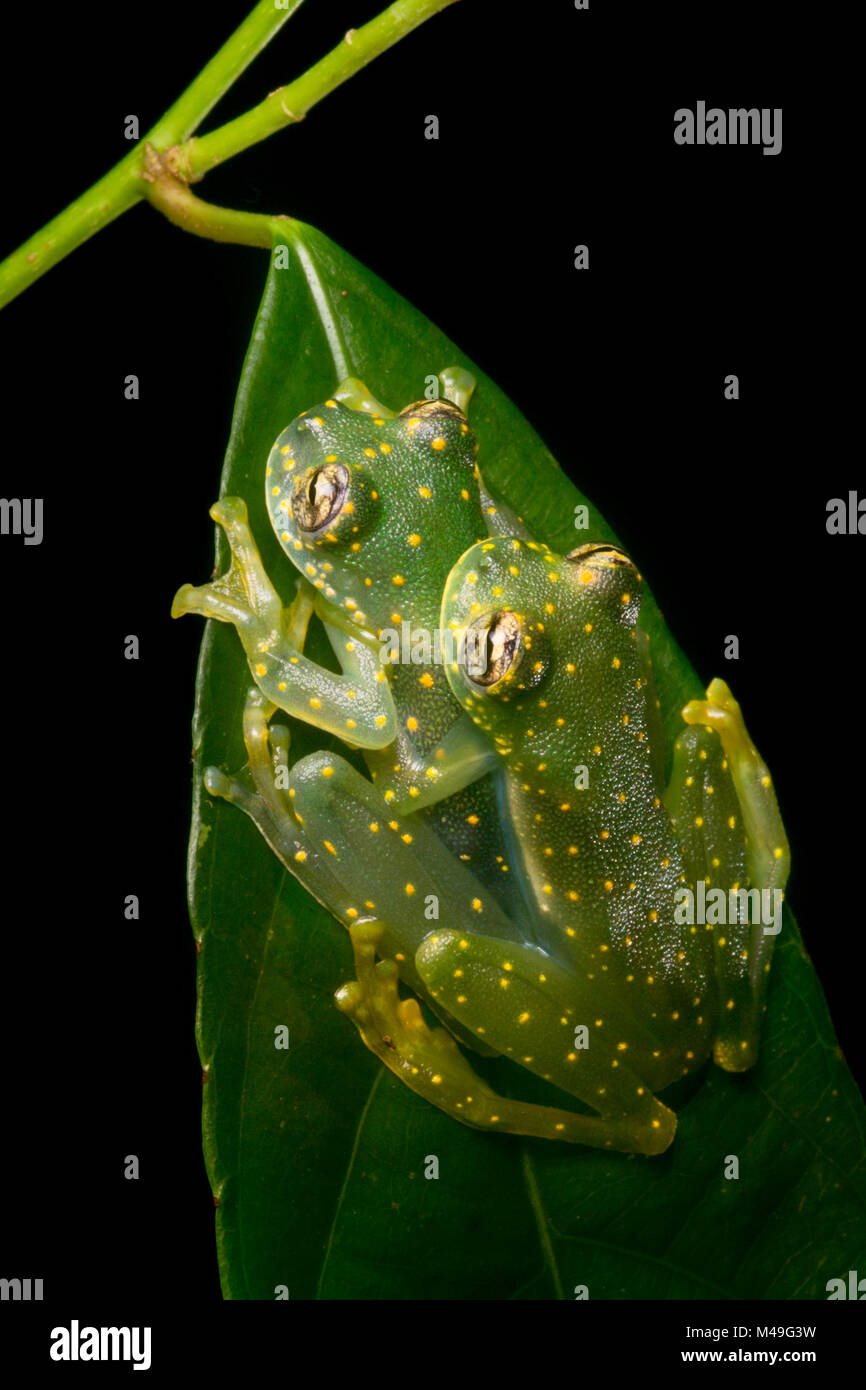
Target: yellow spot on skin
{"x":398,"y":580}
{"x":524,"y":1018}
{"x":437,"y":1080}
{"x":464,"y":494}
{"x":476,"y":904}
{"x":327,"y":772}
{"x":438,"y":442}
{"x":410,"y":889}
{"x":329,"y":847}
{"x":407,"y":839}
{"x":314,"y":703}
{"x":412,"y":724}
{"x":380,"y":720}
{"x":608,"y":885}
{"x":424,"y":492}
{"x":261,"y":670}
{"x":616,"y":663}
{"x":503,"y":983}
{"x":426,"y":680}
{"x":385,"y":448}
{"x":626,"y":598}
{"x":301,"y":855}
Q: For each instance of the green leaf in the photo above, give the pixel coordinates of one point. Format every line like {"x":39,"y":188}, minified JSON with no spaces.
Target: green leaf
{"x":316,"y":1155}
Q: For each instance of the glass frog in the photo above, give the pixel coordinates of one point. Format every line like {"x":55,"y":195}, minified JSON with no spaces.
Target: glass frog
{"x":353,"y":528}
{"x":372,"y":508}
{"x":627,"y":994}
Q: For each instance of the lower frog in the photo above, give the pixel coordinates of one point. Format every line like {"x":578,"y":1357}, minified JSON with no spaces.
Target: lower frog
{"x":627,"y":992}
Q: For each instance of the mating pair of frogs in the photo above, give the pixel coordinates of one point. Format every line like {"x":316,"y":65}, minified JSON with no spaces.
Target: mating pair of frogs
{"x":514,"y":856}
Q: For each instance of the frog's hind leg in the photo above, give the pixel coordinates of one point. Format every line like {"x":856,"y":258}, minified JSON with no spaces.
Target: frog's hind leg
{"x":457,"y":387}
{"x":268,"y":803}
{"x":430,"y":1063}
{"x":322,"y":808}
{"x":333,"y":831}
{"x":746,"y":841}
{"x":354,"y":395}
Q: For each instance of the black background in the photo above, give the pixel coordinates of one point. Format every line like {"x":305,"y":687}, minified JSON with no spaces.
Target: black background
{"x":556,"y":128}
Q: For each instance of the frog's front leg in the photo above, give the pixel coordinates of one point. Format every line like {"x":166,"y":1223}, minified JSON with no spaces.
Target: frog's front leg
{"x":356,"y":705}
{"x":465,"y":975}
{"x":727,"y":819}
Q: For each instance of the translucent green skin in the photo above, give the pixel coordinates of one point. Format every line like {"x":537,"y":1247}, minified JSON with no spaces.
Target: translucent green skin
{"x":430,"y":824}
{"x":607,"y":850}
{"x":600,"y":948}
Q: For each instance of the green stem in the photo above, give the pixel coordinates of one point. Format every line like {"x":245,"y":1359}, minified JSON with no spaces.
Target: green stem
{"x":118,"y":190}
{"x":122,"y":187}
{"x":181,"y":160}
{"x":180,"y":205}
{"x":291,"y":103}
{"x":220,"y":74}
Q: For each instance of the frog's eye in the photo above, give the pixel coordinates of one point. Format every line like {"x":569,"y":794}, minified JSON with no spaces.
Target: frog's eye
{"x":432,"y":410}
{"x":611,"y":556}
{"x":318,"y":496}
{"x":493,"y":649}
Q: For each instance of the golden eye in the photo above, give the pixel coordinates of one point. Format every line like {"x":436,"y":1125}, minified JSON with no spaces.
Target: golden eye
{"x":318,"y":496}
{"x":493,"y":649}
{"x":610,"y":555}
{"x":432,"y":410}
